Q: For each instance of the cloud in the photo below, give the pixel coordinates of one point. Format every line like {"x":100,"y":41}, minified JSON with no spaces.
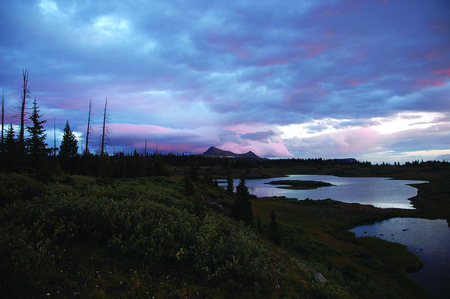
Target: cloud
{"x":337,"y":70}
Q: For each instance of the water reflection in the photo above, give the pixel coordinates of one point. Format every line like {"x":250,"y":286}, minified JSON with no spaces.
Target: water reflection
{"x":380,"y":192}
{"x":428,"y":239}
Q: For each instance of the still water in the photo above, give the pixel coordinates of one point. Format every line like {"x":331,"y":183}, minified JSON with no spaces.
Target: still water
{"x":428,"y":239}
{"x":380,"y":192}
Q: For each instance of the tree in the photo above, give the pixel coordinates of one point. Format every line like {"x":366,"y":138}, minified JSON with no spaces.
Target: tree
{"x":89,"y":130}
{"x":10,"y":154}
{"x":106,"y":132}
{"x":25,"y":95}
{"x":36,"y":146}
{"x":230,"y":187}
{"x":68,"y":149}
{"x":194,"y":173}
{"x":69,"y":143}
{"x":188,"y":185}
{"x":242,"y":207}
{"x":274,"y":229}
{"x":3,"y":118}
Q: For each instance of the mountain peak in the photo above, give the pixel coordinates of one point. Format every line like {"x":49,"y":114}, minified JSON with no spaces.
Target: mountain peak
{"x":219,"y":153}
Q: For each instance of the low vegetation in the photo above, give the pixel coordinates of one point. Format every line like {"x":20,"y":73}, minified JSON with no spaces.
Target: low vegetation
{"x":93,"y":237}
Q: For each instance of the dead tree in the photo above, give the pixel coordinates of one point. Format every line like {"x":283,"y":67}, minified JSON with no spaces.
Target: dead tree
{"x":3,"y":116}
{"x":25,"y":95}
{"x":106,"y":131}
{"x":89,"y":129}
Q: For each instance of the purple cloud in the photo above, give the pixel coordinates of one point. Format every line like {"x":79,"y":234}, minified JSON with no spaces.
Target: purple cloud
{"x":198,"y":69}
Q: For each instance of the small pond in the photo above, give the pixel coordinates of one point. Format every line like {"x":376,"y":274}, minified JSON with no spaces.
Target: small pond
{"x":380,"y":192}
{"x":428,"y":239}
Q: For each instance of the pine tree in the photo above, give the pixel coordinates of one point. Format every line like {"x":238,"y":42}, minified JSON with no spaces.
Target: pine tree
{"x":274,"y":229}
{"x":68,"y":150}
{"x":242,"y":207}
{"x":37,"y":152}
{"x":36,"y":145}
{"x":69,"y":143}
{"x":10,"y":155}
{"x":188,"y":185}
{"x":230,"y":187}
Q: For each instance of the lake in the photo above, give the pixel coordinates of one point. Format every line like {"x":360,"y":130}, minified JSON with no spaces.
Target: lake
{"x":428,"y":239}
{"x":379,"y":192}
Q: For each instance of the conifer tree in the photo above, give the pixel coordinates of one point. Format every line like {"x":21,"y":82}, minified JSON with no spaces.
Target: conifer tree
{"x":10,"y":154}
{"x":188,"y":185}
{"x":37,"y":152}
{"x":230,"y":187}
{"x":274,"y":230}
{"x":242,"y":207}
{"x":194,"y":173}
{"x":68,"y":150}
{"x":36,"y":145}
{"x":69,"y":143}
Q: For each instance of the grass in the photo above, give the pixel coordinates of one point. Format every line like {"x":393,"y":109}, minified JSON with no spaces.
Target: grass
{"x":143,"y":237}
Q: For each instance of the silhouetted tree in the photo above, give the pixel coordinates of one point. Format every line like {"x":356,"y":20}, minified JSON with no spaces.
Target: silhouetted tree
{"x":3,"y":119}
{"x":11,"y":151}
{"x":242,"y":207}
{"x":37,"y":152}
{"x":25,"y":95}
{"x":106,"y":131}
{"x":89,"y":130}
{"x":274,"y":229}
{"x":68,"y":150}
{"x":194,"y":173}
{"x":188,"y":185}
{"x":230,"y":187}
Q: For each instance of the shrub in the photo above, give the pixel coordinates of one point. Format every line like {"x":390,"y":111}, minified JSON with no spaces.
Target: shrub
{"x":229,"y":252}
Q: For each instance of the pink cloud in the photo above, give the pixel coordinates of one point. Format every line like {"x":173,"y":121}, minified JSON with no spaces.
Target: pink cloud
{"x":270,"y":149}
{"x":313,"y":49}
{"x":230,"y":43}
{"x":443,"y":71}
{"x":353,"y":82}
{"x":274,"y":61}
{"x":432,"y":55}
{"x":430,"y":82}
{"x":137,"y":129}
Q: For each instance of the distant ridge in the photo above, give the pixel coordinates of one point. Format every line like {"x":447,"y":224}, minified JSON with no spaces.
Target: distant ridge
{"x":218,"y":153}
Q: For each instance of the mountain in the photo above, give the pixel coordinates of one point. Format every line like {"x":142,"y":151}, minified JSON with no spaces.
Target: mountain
{"x":218,"y":153}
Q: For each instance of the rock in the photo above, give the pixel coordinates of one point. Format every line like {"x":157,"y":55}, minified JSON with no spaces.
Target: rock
{"x":319,"y":279}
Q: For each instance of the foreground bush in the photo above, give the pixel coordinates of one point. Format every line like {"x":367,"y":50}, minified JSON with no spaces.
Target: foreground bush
{"x":232,"y":253}
{"x":147,"y":223}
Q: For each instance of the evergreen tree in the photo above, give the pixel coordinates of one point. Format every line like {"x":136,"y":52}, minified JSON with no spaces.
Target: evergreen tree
{"x":36,"y":146}
{"x":194,"y":174}
{"x":230,"y":187}
{"x":273,"y":229}
{"x":10,"y":154}
{"x":188,"y":185}
{"x":242,"y":207}
{"x":68,"y":150}
{"x":69,"y":143}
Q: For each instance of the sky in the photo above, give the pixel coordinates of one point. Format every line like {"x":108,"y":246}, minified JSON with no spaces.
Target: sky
{"x":333,"y":79}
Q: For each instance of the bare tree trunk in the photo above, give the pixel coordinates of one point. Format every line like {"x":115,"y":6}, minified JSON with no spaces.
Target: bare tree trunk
{"x":88,"y":131}
{"x":3,"y":116}
{"x":24,"y":100}
{"x":54,"y":137}
{"x":104,"y":130}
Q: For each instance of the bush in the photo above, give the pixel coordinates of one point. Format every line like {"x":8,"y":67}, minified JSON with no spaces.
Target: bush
{"x":229,"y":252}
{"x":15,"y":186}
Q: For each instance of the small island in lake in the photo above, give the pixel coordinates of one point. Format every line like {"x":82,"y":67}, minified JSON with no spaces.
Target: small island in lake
{"x":299,"y":184}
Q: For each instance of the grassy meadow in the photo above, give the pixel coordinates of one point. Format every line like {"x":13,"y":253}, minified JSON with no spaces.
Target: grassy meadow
{"x":84,"y":237}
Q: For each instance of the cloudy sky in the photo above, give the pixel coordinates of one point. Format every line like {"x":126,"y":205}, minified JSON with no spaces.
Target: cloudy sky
{"x":305,"y":78}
